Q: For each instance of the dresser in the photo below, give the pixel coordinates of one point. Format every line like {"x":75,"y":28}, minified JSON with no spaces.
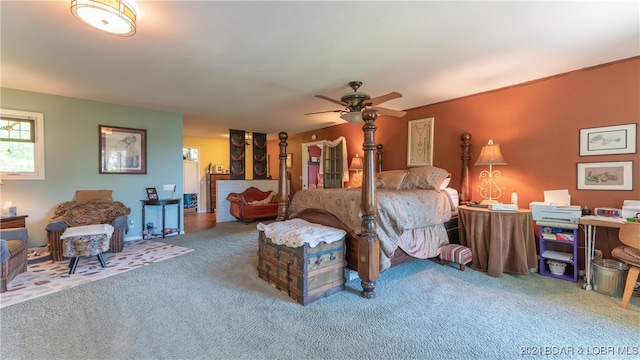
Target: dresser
{"x":213,"y":189}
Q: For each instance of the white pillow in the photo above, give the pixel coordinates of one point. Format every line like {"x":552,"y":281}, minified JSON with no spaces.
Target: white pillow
{"x":445,"y":183}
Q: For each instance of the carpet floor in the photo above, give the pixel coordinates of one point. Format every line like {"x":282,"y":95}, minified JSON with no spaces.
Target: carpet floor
{"x":48,"y":277}
{"x":211,"y":304}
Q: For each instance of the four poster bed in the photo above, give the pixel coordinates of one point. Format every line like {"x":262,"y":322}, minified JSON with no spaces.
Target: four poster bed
{"x":396,"y":216}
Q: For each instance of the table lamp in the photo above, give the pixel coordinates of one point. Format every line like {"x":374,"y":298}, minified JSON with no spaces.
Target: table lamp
{"x":356,"y":165}
{"x":488,"y":188}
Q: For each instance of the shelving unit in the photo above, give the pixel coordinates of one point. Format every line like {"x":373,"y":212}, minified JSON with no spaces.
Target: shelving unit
{"x":559,"y":242}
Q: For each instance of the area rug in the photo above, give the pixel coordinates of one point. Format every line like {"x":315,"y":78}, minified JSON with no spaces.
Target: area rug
{"x":48,"y":277}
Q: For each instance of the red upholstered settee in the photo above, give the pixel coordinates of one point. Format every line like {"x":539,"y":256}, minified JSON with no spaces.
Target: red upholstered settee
{"x":253,"y":204}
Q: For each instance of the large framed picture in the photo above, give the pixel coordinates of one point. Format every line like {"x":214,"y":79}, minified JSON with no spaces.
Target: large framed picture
{"x":420,"y":142}
{"x":122,"y":150}
{"x":614,"y":175}
{"x":607,"y":140}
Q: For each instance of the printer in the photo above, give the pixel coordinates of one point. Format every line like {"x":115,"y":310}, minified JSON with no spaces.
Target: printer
{"x":556,"y":208}
{"x":631,"y":209}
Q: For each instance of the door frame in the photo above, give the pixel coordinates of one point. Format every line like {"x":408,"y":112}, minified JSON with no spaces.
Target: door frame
{"x":305,"y":161}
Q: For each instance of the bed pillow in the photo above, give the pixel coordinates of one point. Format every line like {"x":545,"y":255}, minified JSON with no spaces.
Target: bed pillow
{"x":445,"y":183}
{"x":390,"y":179}
{"x":425,"y":177}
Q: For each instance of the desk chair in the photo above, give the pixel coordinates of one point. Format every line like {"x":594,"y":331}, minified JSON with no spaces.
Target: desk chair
{"x":629,"y":253}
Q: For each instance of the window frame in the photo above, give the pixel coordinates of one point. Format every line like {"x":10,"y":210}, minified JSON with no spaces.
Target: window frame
{"x":39,"y":168}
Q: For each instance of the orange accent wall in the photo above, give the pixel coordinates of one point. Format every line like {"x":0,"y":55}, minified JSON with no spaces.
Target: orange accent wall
{"x":537,"y":125}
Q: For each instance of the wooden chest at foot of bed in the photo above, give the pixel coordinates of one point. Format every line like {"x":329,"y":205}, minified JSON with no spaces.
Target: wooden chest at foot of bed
{"x":306,"y":274}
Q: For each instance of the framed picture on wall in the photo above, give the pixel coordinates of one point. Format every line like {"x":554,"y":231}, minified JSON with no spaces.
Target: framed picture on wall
{"x":122,"y":150}
{"x":289,"y":161}
{"x":614,"y":175}
{"x":608,"y":140}
{"x":420,"y":142}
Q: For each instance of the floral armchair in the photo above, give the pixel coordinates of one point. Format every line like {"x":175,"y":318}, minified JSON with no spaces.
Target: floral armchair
{"x":89,"y":207}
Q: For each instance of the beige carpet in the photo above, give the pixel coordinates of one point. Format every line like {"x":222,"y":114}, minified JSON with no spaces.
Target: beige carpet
{"x":48,"y":277}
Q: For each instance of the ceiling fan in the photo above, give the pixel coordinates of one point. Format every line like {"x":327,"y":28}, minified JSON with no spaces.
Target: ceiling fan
{"x":356,"y":101}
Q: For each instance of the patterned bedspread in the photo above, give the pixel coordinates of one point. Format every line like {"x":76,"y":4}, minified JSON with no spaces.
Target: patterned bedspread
{"x":89,"y":212}
{"x":410,"y":219}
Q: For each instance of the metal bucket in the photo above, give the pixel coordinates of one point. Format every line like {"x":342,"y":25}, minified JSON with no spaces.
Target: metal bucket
{"x":609,"y":276}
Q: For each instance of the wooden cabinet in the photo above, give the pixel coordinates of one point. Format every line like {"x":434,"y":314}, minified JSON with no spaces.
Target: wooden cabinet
{"x":212,"y":188}
{"x":13,"y":222}
{"x":452,"y":230}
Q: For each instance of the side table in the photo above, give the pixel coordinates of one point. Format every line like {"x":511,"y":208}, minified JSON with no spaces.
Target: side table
{"x":501,"y":241}
{"x":13,"y":222}
{"x":163,"y":203}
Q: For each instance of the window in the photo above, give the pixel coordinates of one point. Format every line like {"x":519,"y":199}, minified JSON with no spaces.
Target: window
{"x":21,"y":145}
{"x":333,"y":166}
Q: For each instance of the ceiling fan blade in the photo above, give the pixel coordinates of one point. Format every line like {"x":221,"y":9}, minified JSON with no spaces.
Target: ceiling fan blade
{"x":390,"y":112}
{"x":380,"y":99}
{"x":332,"y":100}
{"x":322,"y":112}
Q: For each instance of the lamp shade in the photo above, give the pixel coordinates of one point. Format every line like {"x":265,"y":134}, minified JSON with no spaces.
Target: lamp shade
{"x":352,"y":117}
{"x":490,"y":155}
{"x":356,"y":163}
{"x":116,"y":17}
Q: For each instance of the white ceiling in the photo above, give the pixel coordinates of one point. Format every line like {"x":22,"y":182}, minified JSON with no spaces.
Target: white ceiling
{"x":256,"y":66}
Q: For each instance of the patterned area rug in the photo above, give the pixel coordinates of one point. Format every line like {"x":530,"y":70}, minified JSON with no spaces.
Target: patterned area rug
{"x":48,"y":277}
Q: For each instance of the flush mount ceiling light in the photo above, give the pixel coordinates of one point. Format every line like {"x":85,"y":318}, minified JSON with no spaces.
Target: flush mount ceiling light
{"x":116,"y":17}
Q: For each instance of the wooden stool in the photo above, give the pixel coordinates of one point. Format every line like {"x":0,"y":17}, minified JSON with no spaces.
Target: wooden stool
{"x":458,"y":254}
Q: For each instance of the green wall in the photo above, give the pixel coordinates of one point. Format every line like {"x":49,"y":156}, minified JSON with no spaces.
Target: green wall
{"x":71,"y":159}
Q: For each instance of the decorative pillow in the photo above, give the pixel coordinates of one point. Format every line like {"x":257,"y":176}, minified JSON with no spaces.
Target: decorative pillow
{"x":390,"y":179}
{"x":425,"y":177}
{"x":264,"y":201}
{"x":88,"y":195}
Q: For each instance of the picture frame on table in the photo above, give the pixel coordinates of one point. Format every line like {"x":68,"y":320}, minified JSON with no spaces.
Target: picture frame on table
{"x":122,"y":150}
{"x":420,"y":142}
{"x":608,"y":140}
{"x":152,"y":194}
{"x":612,"y":175}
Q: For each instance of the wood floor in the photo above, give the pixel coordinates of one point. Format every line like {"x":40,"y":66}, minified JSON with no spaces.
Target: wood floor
{"x":194,"y":221}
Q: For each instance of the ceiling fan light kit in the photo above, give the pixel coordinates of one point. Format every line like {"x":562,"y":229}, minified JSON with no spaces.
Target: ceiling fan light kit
{"x":117,"y":17}
{"x":357,"y":101}
{"x":352,"y":117}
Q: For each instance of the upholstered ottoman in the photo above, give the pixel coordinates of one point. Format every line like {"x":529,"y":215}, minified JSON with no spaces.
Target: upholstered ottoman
{"x":89,"y":240}
{"x":455,"y":253}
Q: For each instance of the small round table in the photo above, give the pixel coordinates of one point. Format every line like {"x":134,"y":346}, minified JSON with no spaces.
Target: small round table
{"x":501,"y":241}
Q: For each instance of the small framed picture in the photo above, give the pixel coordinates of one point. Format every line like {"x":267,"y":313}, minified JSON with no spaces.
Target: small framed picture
{"x":289,"y":160}
{"x":608,"y":140}
{"x":152,"y":194}
{"x":614,"y":175}
{"x":420,"y":142}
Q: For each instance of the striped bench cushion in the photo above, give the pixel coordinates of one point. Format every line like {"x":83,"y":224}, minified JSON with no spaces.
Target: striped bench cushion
{"x":456,"y":253}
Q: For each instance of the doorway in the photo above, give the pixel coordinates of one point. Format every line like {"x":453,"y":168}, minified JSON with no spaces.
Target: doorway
{"x":191,"y":181}
{"x":311,"y":165}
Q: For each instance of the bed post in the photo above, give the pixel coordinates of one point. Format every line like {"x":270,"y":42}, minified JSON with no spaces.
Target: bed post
{"x":283,"y":191}
{"x":379,"y":156}
{"x":465,"y":195}
{"x":368,"y":243}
